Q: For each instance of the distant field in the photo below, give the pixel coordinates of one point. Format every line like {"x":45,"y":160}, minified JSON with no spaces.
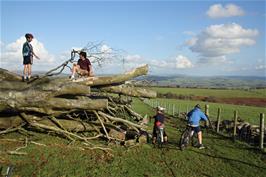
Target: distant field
{"x":221,"y":93}
{"x":247,"y":113}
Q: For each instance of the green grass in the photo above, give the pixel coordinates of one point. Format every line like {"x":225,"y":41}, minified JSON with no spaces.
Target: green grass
{"x":222,"y":93}
{"x":250,"y":114}
{"x":222,"y":157}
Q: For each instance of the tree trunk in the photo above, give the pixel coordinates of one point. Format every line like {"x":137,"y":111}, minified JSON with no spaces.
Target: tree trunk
{"x":113,"y":80}
{"x":130,"y":91}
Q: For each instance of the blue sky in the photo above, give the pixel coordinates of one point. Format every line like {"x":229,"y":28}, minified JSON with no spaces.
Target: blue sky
{"x":174,"y":37}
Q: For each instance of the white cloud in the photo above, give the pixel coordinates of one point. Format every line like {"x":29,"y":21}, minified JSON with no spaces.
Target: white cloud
{"x":106,"y":49}
{"x":161,"y":63}
{"x":260,"y":67}
{"x":191,"y":41}
{"x":2,"y":44}
{"x":183,"y":62}
{"x":214,"y":60}
{"x":189,"y":33}
{"x":229,"y":31}
{"x":180,"y":62}
{"x":133,"y":58}
{"x":11,"y":54}
{"x":220,"y":11}
{"x":220,"y":40}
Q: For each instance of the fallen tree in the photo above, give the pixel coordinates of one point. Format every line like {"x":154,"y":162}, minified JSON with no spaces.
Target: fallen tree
{"x":65,"y":107}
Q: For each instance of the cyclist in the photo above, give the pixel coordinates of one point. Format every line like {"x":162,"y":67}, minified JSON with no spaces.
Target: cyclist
{"x":194,"y":117}
{"x":159,"y":122}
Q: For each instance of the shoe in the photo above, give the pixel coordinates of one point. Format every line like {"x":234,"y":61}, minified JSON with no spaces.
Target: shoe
{"x":27,"y":79}
{"x":23,"y":80}
{"x":201,"y":146}
{"x":72,"y":77}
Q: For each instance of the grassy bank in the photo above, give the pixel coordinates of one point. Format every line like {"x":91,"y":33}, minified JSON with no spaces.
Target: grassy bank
{"x":221,"y":157}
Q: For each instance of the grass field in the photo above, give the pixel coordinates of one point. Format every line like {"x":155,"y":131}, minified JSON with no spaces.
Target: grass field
{"x":250,"y":114}
{"x":222,"y":157}
{"x":220,"y":93}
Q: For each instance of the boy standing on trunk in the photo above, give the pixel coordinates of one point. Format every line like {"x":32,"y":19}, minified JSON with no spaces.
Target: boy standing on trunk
{"x":28,"y":54}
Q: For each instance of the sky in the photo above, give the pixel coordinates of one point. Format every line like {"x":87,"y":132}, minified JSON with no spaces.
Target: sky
{"x":199,"y":38}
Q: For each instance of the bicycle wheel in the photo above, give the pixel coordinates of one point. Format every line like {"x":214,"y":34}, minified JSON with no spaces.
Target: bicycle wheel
{"x":158,"y":138}
{"x":184,"y":140}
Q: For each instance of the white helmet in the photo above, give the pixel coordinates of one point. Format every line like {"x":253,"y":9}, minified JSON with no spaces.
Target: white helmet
{"x":159,"y":108}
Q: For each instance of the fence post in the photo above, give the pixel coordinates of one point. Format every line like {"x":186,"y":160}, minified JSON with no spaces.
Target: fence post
{"x":218,"y":120}
{"x":261,"y":130}
{"x":207,"y":110}
{"x":235,"y":122}
{"x":173,"y":109}
{"x":178,"y":111}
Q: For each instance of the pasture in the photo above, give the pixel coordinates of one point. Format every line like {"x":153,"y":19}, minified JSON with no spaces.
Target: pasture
{"x":220,"y":93}
{"x":222,"y":157}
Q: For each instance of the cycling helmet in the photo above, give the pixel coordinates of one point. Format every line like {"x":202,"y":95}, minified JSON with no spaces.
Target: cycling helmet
{"x":159,"y":108}
{"x":197,"y":106}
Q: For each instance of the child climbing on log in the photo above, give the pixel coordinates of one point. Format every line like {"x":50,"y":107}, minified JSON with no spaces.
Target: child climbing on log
{"x":83,"y":67}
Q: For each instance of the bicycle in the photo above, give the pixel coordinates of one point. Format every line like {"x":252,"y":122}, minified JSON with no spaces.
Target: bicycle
{"x":159,"y":136}
{"x":186,"y":137}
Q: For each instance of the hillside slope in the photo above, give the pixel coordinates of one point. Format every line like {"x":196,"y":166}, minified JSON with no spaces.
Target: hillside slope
{"x":221,"y":157}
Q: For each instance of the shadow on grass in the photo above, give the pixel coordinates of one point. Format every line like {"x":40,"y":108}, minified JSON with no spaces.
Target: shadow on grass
{"x":227,"y":159}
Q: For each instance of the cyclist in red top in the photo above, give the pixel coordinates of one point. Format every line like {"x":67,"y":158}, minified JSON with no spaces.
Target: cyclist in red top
{"x":158,"y":121}
{"x":83,"y":67}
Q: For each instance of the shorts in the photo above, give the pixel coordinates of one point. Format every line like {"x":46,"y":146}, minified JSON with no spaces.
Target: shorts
{"x":154,"y":132}
{"x":27,"y":60}
{"x":81,"y":72}
{"x":196,"y":129}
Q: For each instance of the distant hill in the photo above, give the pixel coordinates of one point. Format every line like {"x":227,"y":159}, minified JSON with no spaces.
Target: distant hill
{"x":196,"y":81}
{"x":206,"y":82}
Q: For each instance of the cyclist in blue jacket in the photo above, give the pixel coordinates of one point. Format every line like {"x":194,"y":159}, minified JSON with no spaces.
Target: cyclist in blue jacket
{"x":194,"y":117}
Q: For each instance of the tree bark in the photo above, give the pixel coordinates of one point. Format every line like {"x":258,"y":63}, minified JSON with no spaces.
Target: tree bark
{"x":130,"y":91}
{"x":113,"y":80}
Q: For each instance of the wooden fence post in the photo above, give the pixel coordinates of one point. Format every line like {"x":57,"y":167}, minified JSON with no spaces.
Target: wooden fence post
{"x":235,"y":122}
{"x":178,"y":111}
{"x":218,"y":120}
{"x":207,"y":110}
{"x":261,"y":131}
{"x":173,"y":109}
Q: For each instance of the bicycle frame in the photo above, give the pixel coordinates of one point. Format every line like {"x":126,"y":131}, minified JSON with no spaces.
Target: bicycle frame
{"x":186,"y":137}
{"x":159,"y":136}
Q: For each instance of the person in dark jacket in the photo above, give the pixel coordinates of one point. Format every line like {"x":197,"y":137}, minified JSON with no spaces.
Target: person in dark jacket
{"x":159,"y":122}
{"x":83,"y":67}
{"x":28,"y":54}
{"x":194,"y":117}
